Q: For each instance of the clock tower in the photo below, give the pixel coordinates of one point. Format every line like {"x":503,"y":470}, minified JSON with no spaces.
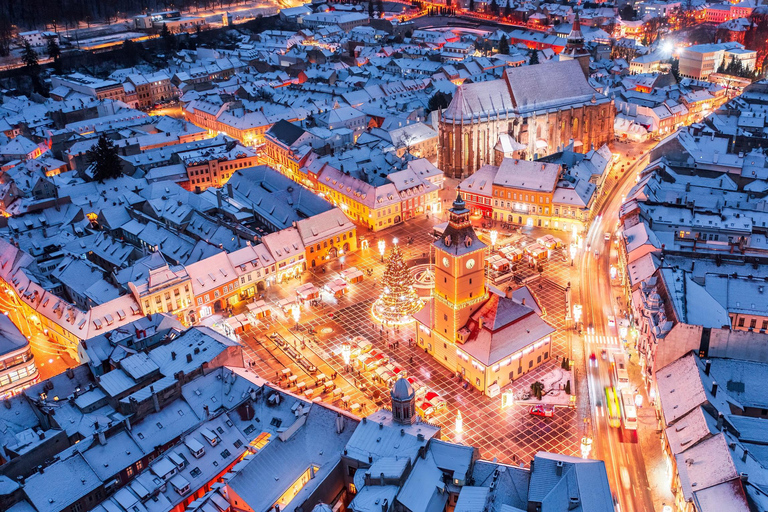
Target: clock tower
{"x":459,"y":273}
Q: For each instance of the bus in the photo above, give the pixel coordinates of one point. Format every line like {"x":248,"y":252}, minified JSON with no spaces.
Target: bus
{"x":612,"y":406}
{"x":628,"y":410}
{"x":620,"y":375}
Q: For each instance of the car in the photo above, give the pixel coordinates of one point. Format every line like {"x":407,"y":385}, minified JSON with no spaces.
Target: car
{"x":607,"y":237}
{"x":546,"y":411}
{"x":611,"y":322}
{"x":592,"y":356}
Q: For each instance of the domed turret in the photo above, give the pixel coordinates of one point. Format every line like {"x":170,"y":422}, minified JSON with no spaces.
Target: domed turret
{"x":322,"y":507}
{"x":403,"y":402}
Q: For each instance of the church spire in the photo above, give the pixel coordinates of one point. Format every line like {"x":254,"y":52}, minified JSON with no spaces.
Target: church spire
{"x":575,"y":37}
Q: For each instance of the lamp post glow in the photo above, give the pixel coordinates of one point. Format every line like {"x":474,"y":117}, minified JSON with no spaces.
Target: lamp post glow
{"x":586,"y":447}
{"x":382,"y":247}
{"x":494,"y":236}
{"x":573,"y":252}
{"x":346,"y":353}
{"x":296,"y":312}
{"x":576,"y":313}
{"x":459,"y":423}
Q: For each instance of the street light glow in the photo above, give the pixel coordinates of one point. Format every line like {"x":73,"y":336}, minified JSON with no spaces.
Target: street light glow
{"x":494,"y":236}
{"x":586,"y":447}
{"x":382,"y":247}
{"x":346,"y":353}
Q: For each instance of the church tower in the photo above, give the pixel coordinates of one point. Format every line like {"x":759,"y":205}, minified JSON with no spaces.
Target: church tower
{"x":403,"y":402}
{"x":459,"y":273}
{"x":574,"y":48}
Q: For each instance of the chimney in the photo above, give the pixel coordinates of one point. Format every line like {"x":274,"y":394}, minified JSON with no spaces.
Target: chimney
{"x":714,"y":388}
{"x":744,"y":455}
{"x":381,"y":479}
{"x":206,"y":411}
{"x":523,"y":301}
{"x":155,"y":398}
{"x":573,"y":502}
{"x":20,"y":479}
{"x":707,"y":366}
{"x":128,"y":424}
{"x":402,"y":432}
{"x":744,"y":477}
{"x":102,"y":438}
{"x":173,"y":356}
{"x":720,"y":418}
{"x":509,"y":292}
{"x":385,"y":505}
{"x":559,"y":468}
{"x":481,"y":322}
{"x":189,"y":358}
{"x":41,"y":469}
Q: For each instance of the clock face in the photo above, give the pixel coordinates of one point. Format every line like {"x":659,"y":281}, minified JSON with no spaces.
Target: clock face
{"x":446,"y":262}
{"x":470,"y":263}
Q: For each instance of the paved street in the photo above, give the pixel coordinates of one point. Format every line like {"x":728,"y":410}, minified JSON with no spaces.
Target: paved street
{"x":511,"y":434}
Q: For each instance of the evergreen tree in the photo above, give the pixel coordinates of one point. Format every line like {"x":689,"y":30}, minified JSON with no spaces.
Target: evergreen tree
{"x":104,"y":157}
{"x":169,"y":40}
{"x":494,"y":7}
{"x":534,"y":57}
{"x":54,"y":52}
{"x":504,"y":45}
{"x":675,"y":69}
{"x":370,"y":8}
{"x":380,"y":7}
{"x":537,"y":388}
{"x":399,"y":299}
{"x":29,"y":58}
{"x":130,"y":53}
{"x":439,"y":100}
{"x":52,"y":48}
{"x":471,"y":5}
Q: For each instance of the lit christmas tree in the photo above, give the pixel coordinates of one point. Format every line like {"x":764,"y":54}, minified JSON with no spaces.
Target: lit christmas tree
{"x":398,"y":300}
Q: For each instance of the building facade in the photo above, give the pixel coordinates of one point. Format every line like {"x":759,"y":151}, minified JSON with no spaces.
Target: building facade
{"x":542,"y":107}
{"x":488,"y":338}
{"x":17,"y":364}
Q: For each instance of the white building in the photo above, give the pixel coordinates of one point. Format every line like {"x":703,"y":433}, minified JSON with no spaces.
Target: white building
{"x":38,"y":37}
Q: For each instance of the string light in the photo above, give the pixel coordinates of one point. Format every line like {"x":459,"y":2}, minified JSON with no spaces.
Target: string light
{"x":399,"y":299}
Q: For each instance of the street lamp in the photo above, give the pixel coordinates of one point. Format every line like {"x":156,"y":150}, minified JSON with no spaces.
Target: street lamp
{"x":296,"y":312}
{"x":494,"y":236}
{"x":573,"y":250}
{"x":586,"y":446}
{"x":382,"y":247}
{"x":459,"y":424}
{"x":346,"y":353}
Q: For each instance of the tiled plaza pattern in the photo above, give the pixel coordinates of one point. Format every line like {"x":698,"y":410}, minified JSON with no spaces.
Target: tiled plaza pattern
{"x":511,"y":434}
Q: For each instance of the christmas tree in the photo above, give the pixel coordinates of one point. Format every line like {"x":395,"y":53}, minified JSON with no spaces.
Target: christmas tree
{"x":398,"y":300}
